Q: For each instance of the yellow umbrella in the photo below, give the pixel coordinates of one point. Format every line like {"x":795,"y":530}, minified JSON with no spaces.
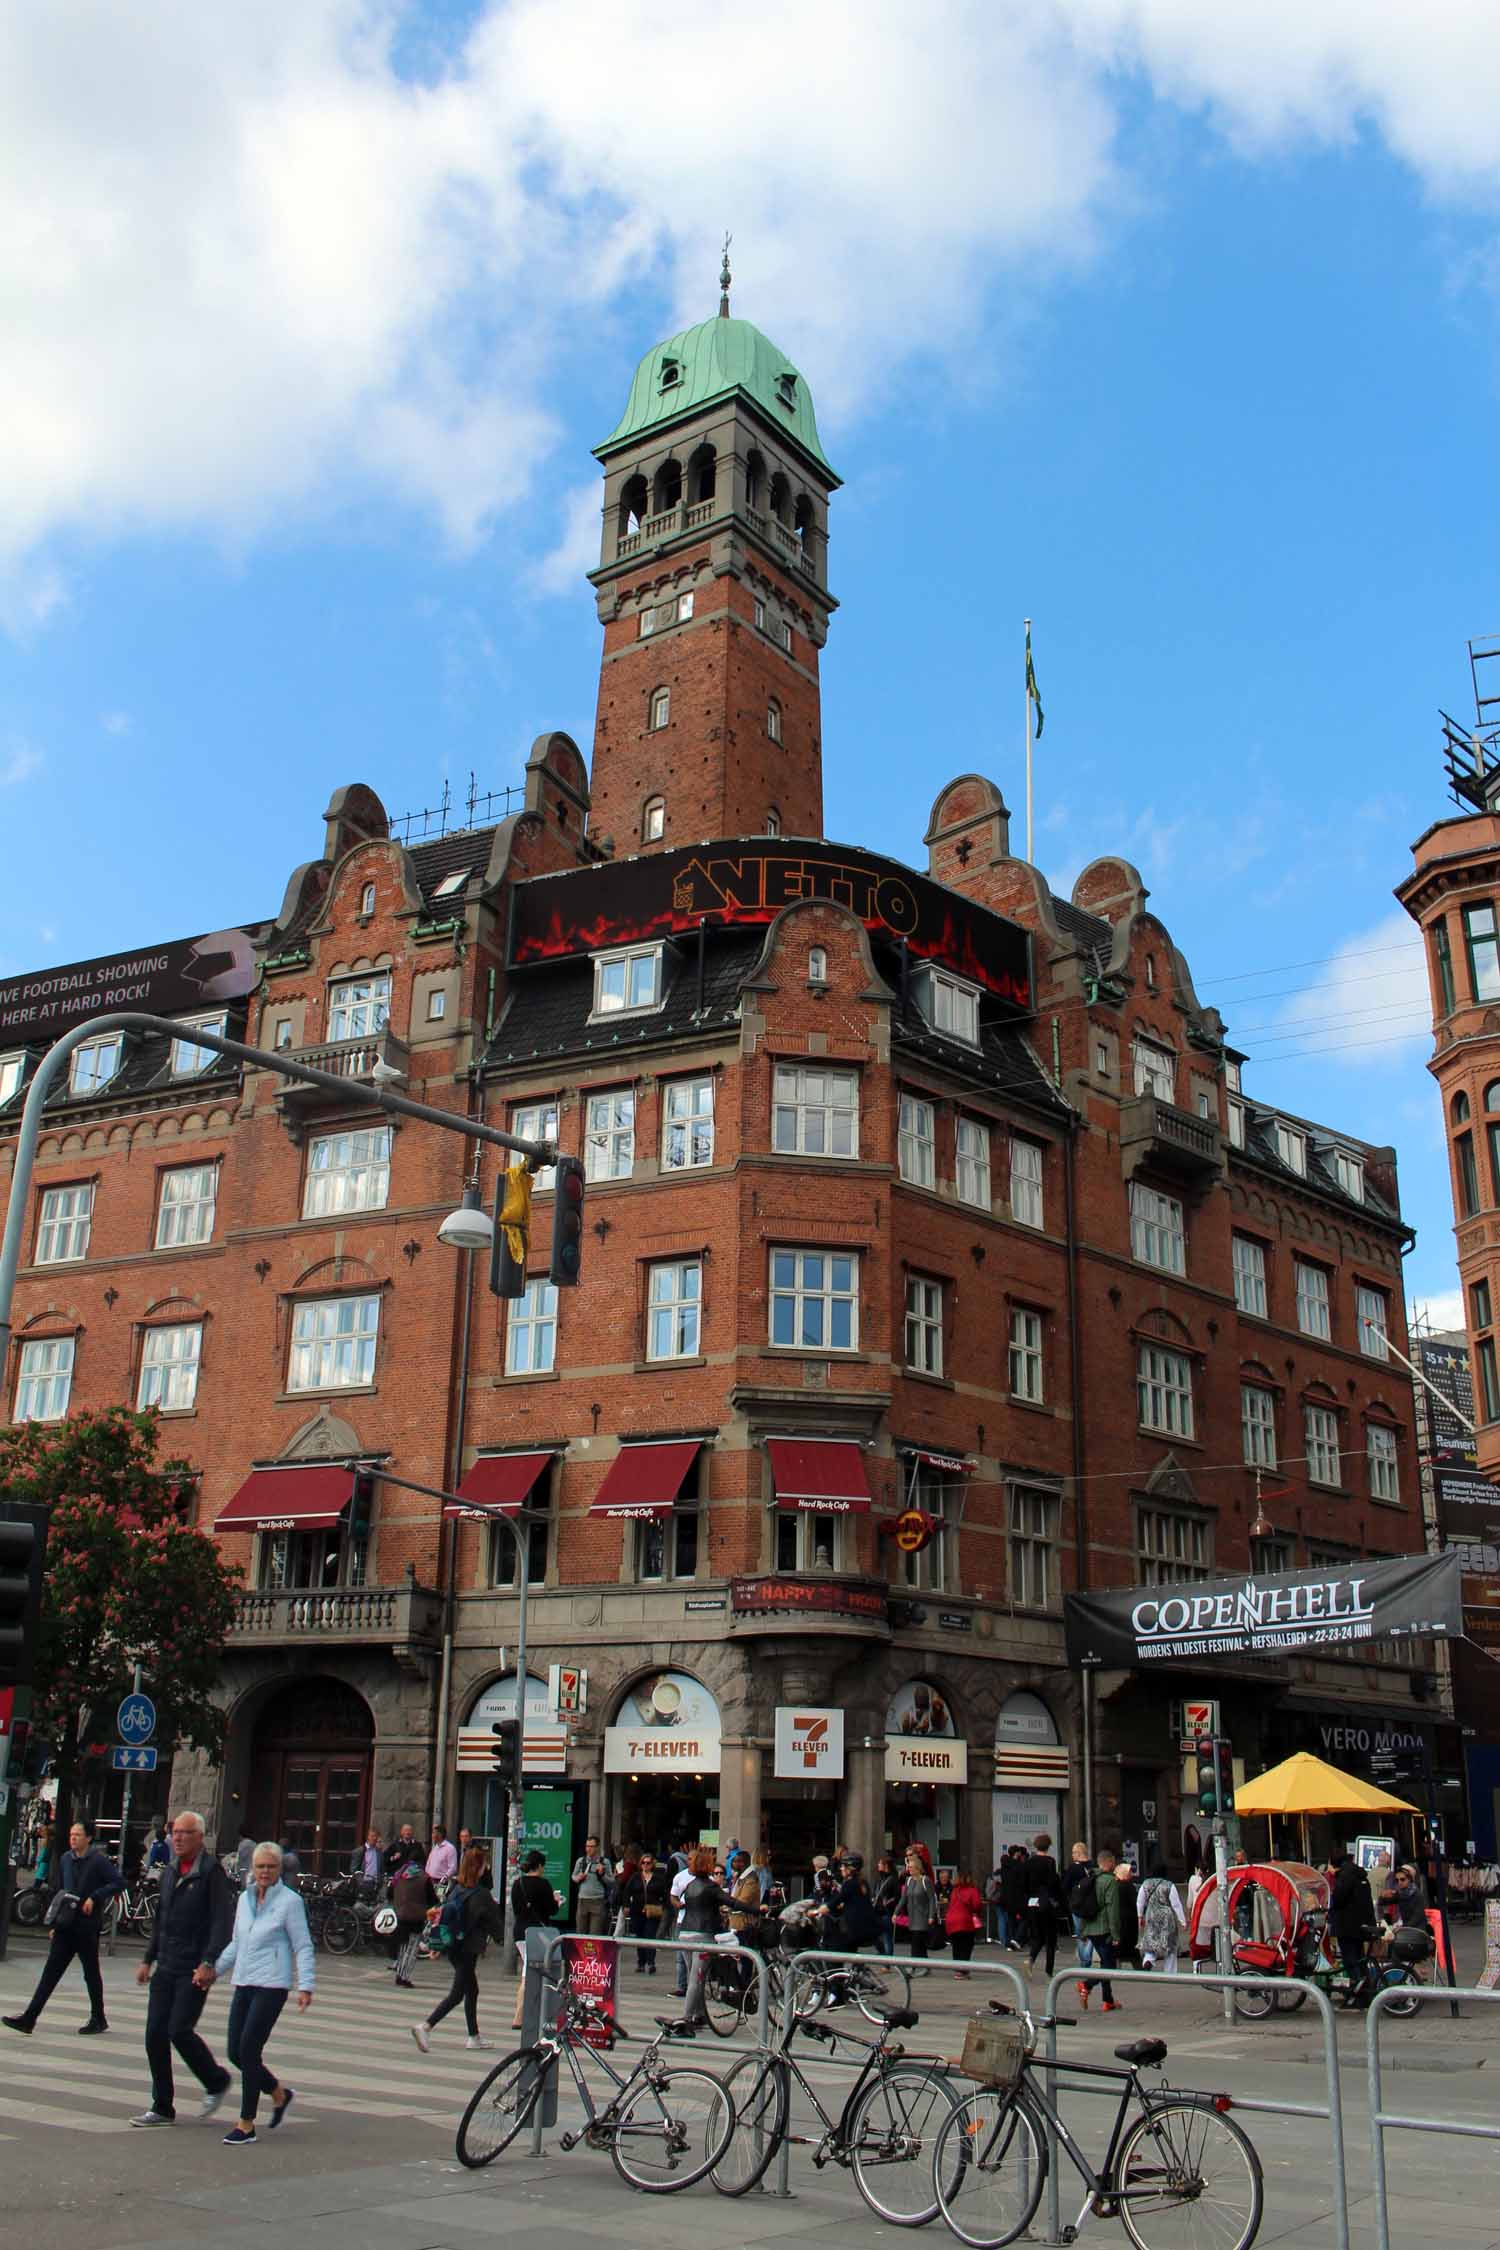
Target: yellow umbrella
{"x":1305,"y":1784}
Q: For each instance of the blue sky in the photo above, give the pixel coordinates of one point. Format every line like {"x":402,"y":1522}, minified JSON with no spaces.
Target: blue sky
{"x":1178,"y":335}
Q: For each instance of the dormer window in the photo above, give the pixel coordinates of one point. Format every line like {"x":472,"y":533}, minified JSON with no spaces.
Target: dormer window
{"x":628,"y":983}
{"x":671,"y":374}
{"x":367,"y":900}
{"x":817,"y":965}
{"x":451,"y":885}
{"x":11,"y":1070}
{"x":188,"y":1058}
{"x":950,"y":1005}
{"x":95,"y":1065}
{"x":786,"y":387}
{"x":1349,"y":1171}
{"x":1291,"y":1147}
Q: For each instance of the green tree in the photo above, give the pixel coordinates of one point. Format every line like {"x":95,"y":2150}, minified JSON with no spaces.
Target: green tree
{"x":126,"y":1583}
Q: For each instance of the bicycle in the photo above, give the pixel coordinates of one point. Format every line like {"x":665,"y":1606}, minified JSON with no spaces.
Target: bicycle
{"x":883,"y":2134}
{"x":664,"y":2127}
{"x":1181,"y":2172}
{"x":135,"y":1906}
{"x":731,"y":1997}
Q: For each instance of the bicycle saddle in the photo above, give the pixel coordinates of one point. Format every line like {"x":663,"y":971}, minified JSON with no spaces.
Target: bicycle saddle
{"x":900,"y":2019}
{"x":1143,"y":2051}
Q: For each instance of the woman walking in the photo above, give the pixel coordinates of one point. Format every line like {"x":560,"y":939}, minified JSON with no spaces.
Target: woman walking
{"x":918,"y":1905}
{"x":270,"y":1942}
{"x":963,"y":1917}
{"x":645,"y":1899}
{"x":481,"y":1922}
{"x":1044,"y":1902}
{"x":533,"y":1902}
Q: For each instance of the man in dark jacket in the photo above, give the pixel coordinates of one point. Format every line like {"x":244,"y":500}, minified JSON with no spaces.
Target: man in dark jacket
{"x":194,"y":1922}
{"x":1351,"y":1916}
{"x":93,"y":1880}
{"x":853,"y":1920}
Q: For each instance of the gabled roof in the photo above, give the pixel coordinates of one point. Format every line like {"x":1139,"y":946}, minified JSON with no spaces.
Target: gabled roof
{"x":1260,"y":1147}
{"x":434,"y":862}
{"x":1094,"y":934}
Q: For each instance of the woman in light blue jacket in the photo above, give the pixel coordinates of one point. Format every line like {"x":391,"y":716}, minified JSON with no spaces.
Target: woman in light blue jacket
{"x":270,"y":1939}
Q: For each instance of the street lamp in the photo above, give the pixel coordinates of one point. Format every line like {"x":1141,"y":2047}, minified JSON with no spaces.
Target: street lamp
{"x":470,"y":1227}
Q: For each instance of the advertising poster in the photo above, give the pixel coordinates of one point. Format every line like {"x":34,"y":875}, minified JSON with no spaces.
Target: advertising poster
{"x":1266,"y":1615}
{"x":669,"y":1720}
{"x":593,"y":1968}
{"x":547,"y":1826}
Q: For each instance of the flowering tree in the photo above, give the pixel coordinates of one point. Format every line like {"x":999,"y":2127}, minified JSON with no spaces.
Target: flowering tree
{"x":126,"y":1583}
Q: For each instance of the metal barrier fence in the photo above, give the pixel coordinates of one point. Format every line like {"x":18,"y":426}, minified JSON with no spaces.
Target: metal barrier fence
{"x":1383,"y":2120}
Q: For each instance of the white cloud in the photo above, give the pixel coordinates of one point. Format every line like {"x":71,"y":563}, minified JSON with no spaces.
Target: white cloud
{"x":577,"y":550}
{"x":18,"y":762}
{"x":248,"y":267}
{"x":1368,"y":1007}
{"x":1443,"y":1309}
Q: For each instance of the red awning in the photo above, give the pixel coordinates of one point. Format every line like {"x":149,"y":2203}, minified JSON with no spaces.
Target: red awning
{"x":498,"y":1484}
{"x":644,"y":1480}
{"x":289,"y":1500}
{"x":821,"y":1473}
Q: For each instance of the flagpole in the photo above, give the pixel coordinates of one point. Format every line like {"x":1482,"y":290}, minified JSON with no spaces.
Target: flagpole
{"x":1029,"y":853}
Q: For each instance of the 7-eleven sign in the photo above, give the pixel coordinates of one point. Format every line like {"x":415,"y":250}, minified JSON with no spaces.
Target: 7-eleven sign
{"x":809,"y":1743}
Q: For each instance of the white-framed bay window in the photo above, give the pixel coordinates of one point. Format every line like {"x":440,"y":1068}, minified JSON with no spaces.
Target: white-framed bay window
{"x":1157,"y":1234}
{"x":687,"y":1124}
{"x":348,"y":1172}
{"x":674,"y":1309}
{"x":531,"y":1329}
{"x":815,"y":1300}
{"x":170,"y":1357}
{"x":66,"y":1217}
{"x":609,"y":1135}
{"x":333,"y":1343}
{"x":44,"y":1379}
{"x":972,"y":1154}
{"x":916,"y":1141}
{"x":186,"y":1204}
{"x":814,"y":1112}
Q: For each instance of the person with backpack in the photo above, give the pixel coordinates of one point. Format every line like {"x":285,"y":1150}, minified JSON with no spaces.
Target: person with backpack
{"x":411,"y":1895}
{"x":1162,"y":1919}
{"x":1044,"y":1902}
{"x":1097,"y":1899}
{"x":469,"y":1919}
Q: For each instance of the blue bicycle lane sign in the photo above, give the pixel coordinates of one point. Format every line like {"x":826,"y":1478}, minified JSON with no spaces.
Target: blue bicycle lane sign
{"x":135,"y":1721}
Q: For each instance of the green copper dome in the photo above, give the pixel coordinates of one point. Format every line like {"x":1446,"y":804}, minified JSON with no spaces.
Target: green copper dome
{"x":711,"y":362}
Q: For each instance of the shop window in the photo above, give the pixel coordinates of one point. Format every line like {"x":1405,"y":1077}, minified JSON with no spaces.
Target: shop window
{"x":348,"y":1172}
{"x":537,"y":1121}
{"x":1164,"y":1391}
{"x":917,"y":1141}
{"x":609,"y":1136}
{"x":1312,"y":1300}
{"x":67,"y":1215}
{"x":531,"y":1330}
{"x":169,"y":1367}
{"x":1250,"y":1276}
{"x":187,"y":1057}
{"x":687,"y":1132}
{"x":1172,"y":1546}
{"x":808,"y":1539}
{"x":924,"y":1325}
{"x":333,"y":1343}
{"x":814,"y":1112}
{"x":972,"y":1179}
{"x":1032,"y":1547}
{"x":1258,"y":1426}
{"x":45,"y":1379}
{"x":1371,"y":1313}
{"x":1321,"y":1429}
{"x":1157,"y":1235}
{"x":94,"y":1065}
{"x":1026,"y":1367}
{"x":359,"y":1007}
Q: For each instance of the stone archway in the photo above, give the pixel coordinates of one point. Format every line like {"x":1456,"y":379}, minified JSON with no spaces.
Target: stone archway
{"x":310,"y":1766}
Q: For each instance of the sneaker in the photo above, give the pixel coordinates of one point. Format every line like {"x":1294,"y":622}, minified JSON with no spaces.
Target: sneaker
{"x":1083,"y":1993}
{"x":423,"y":2037}
{"x":405,"y":1983}
{"x":1110,"y":2007}
{"x":279,"y":2109}
{"x":88,"y":2030}
{"x":18,"y":2023}
{"x":153,"y":2117}
{"x":476,"y":2041}
{"x":212,"y":2098}
{"x":238,"y":2137}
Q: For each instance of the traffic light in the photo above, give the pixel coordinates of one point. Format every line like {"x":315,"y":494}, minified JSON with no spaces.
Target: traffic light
{"x":361,"y":1507}
{"x":23,"y":1548}
{"x":1208,"y":1775}
{"x":512,"y":1235}
{"x":503,"y":1750}
{"x":1224,"y":1773}
{"x":567,"y":1224}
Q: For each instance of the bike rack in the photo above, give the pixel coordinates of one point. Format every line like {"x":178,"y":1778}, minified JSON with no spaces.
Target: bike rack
{"x":1332,"y":2110}
{"x":1383,"y":2120}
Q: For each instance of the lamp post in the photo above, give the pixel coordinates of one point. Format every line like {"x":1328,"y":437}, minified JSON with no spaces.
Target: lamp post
{"x":468,"y":1229}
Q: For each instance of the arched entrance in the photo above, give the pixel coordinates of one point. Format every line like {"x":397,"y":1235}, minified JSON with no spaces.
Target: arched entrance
{"x":310,"y":1771}
{"x":661,"y":1759}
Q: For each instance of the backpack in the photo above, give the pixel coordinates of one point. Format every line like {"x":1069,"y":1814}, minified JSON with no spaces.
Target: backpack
{"x":1158,"y":1922}
{"x":448,"y":1935}
{"x":1084,"y":1901}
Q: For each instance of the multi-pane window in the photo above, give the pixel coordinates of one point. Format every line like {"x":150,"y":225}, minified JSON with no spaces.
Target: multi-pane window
{"x":1442,"y":957}
{"x":1157,"y":1237}
{"x":1173,"y":1547}
{"x":1349,"y":1171}
{"x":1312,"y":1299}
{"x":1483,"y":947}
{"x":973,"y":1163}
{"x":1164,"y":1390}
{"x":955,"y":1008}
{"x":687,"y":1128}
{"x":1468,"y":1175}
{"x":654,"y":820}
{"x":1371,"y":1312}
{"x":348,"y":1172}
{"x":169,"y":1367}
{"x":310,"y":1558}
{"x":808,"y":1539}
{"x":1291,"y":1147}
{"x":46,"y":1377}
{"x":67,"y":1213}
{"x":674,"y":1308}
{"x":94,"y":1066}
{"x":1155,"y":1069}
{"x":1480,"y":1305}
{"x":188,"y":1058}
{"x":1026,"y":1182}
{"x":1268,"y":1557}
{"x":333,"y":1343}
{"x":1026,"y":1371}
{"x":11,"y":1067}
{"x":773,"y":720}
{"x":358,"y":1007}
{"x":675,"y":611}
{"x":924,"y":1325}
{"x":1250,"y":1276}
{"x":628,"y":983}
{"x":1033,"y":1547}
{"x":815,"y":1112}
{"x":505,"y":1544}
{"x":661,"y":708}
{"x":531,"y":1330}
{"x":537,"y":1121}
{"x":1489,"y":1379}
{"x":815,"y":1300}
{"x":917,"y":1141}
{"x":1380,"y":1447}
{"x":667,"y":1546}
{"x":1258,"y":1426}
{"x":929,"y":1569}
{"x":1321,"y":1428}
{"x":609,"y":1136}
{"x":185,"y":1213}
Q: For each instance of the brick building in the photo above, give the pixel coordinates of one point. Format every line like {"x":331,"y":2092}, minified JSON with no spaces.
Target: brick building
{"x":913,"y":1191}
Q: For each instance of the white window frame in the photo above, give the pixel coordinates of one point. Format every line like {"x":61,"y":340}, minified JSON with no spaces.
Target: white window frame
{"x":1172,"y":1547}
{"x":660,"y":1542}
{"x":1349,"y":1171}
{"x":1258,"y":1425}
{"x":1372,"y":1312}
{"x":817,"y":964}
{"x":674,"y":1309}
{"x":773,"y":720}
{"x":1291,"y":1147}
{"x":812,"y":1109}
{"x":537,"y":1121}
{"x":188,"y":1060}
{"x":659,"y":713}
{"x":65,"y":1221}
{"x":358,"y":1007}
{"x":1164,"y":1390}
{"x":44,"y":1379}
{"x":1027,"y":1201}
{"x":1320,"y":1427}
{"x":170,"y":1358}
{"x":1235,"y":1112}
{"x":924,"y":1324}
{"x":1158,"y":1233}
{"x":628,"y":981}
{"x":95,"y":1064}
{"x":1385,"y":1471}
{"x":437,"y":1004}
{"x":334,"y":1344}
{"x":781,"y":634}
{"x":654,"y":820}
{"x":760,"y":615}
{"x":1031,"y":1546}
{"x":1027,"y":1363}
{"x":916,"y":1140}
{"x":930,"y":1569}
{"x":808,"y":1541}
{"x":1314,"y":1311}
{"x":531,"y":1329}
{"x":1249,"y":1258}
{"x":971,"y":1163}
{"x":687,"y":1124}
{"x":609,"y":1134}
{"x":1154,"y":1068}
{"x":953,"y":1007}
{"x":11,"y":1070}
{"x":353,"y":1175}
{"x":186,"y":1206}
{"x":793,"y":1283}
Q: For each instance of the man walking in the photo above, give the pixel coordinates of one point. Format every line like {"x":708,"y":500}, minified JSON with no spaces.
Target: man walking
{"x":194,"y":1922}
{"x":442,"y":1859}
{"x":592,"y":1874}
{"x":93,"y":1881}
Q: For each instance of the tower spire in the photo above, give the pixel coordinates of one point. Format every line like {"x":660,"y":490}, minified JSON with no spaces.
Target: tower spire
{"x":725,"y":278}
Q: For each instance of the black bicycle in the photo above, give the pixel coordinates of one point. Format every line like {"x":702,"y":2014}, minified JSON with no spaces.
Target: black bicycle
{"x":884,"y":2134}
{"x":664,"y":2126}
{"x":1178,"y":2172}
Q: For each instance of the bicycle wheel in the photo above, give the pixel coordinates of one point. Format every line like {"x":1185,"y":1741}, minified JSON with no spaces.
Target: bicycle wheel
{"x":989,"y":2168}
{"x":341,"y":1930}
{"x":1409,"y":2003}
{"x":1187,"y":2176}
{"x":891,"y":2135}
{"x":810,"y":1993}
{"x":760,"y":2088}
{"x":500,"y":2105}
{"x":30,"y":1905}
{"x":1254,"y":2005}
{"x":1287,"y":2003}
{"x":877,"y":1989}
{"x":671,"y":2132}
{"x":721,"y":1998}
{"x":145,"y":1913}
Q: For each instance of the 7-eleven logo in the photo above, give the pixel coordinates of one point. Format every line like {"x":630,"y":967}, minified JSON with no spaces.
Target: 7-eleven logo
{"x":810,"y":1738}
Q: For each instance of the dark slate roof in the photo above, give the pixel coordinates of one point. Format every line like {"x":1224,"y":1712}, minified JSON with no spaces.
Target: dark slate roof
{"x":548,"y":1008}
{"x":1004,"y":1062}
{"x":145,"y":1068}
{"x":1260,"y":1147}
{"x":449,"y":855}
{"x":1093,"y":933}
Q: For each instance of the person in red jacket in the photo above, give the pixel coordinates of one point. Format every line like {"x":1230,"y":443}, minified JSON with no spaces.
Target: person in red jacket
{"x":964,"y":1918}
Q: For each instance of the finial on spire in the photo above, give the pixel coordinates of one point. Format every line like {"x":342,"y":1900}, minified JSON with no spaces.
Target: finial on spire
{"x":725,"y":278}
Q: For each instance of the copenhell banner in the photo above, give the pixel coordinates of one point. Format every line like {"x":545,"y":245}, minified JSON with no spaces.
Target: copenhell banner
{"x":1265,"y":1616}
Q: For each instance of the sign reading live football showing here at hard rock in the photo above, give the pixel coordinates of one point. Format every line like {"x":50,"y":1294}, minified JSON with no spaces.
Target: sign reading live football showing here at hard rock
{"x":668,"y":1723}
{"x":160,"y":980}
{"x":920,"y":1738}
{"x":1264,"y":1616}
{"x":809,"y":1744}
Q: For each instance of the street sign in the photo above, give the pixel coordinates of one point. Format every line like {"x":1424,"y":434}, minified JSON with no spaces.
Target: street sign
{"x":135,"y":1721}
{"x":568,"y":1690}
{"x":1195,"y":1719}
{"x":129,"y":1757}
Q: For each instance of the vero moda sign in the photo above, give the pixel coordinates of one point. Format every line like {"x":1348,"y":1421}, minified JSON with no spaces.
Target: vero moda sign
{"x":1266,"y":1615}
